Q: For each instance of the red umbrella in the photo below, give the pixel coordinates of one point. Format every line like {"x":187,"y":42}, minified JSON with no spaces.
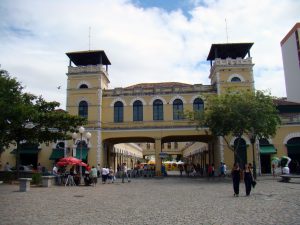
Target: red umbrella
{"x":71,"y":161}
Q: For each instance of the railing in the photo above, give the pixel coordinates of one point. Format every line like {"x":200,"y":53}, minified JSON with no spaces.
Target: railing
{"x":87,"y":69}
{"x":290,"y":118}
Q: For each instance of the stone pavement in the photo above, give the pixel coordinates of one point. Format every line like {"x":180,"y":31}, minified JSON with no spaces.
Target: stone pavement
{"x":171,"y":200}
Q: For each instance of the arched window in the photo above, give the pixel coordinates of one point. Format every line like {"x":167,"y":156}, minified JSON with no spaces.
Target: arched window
{"x":198,"y":105}
{"x":138,"y":111}
{"x":158,"y":110}
{"x":83,"y":109}
{"x":177,"y":109}
{"x":235,"y":79}
{"x":118,"y":112}
{"x":263,"y":141}
{"x":83,"y":86}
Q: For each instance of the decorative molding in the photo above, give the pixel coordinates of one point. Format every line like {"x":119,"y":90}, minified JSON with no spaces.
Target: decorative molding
{"x":157,"y":97}
{"x":84,"y":82}
{"x":116,"y":100}
{"x":177,"y":97}
{"x":138,"y":98}
{"x":236,"y":75}
{"x":290,"y":136}
{"x":83,"y":99}
{"x":243,"y":137}
{"x":197,"y":96}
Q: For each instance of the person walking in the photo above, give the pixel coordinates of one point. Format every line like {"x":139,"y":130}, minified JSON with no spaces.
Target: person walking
{"x":236,"y":177}
{"x":124,"y":173}
{"x":94,"y":175}
{"x":248,"y":178}
{"x":104,"y":172}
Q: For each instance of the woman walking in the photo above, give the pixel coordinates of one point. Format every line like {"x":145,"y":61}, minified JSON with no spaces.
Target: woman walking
{"x":248,"y":178}
{"x":236,"y":177}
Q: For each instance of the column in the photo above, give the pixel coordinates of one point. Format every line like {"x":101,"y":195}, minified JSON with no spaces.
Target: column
{"x":157,"y":157}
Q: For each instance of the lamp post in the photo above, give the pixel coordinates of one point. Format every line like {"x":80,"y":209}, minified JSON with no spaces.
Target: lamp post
{"x":252,"y":137}
{"x":88,"y":135}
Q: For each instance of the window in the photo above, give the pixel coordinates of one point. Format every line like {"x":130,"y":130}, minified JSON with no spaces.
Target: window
{"x":177,"y":110}
{"x":176,"y":145}
{"x":118,"y":112}
{"x":263,"y":141}
{"x":83,"y":109}
{"x":198,"y":104}
{"x":169,"y":145}
{"x":137,"y":111}
{"x":158,"y":110}
{"x":235,"y":79}
{"x":83,"y":86}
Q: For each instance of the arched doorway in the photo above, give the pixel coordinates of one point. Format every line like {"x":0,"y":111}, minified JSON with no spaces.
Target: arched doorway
{"x":293,"y":149}
{"x":241,"y":152}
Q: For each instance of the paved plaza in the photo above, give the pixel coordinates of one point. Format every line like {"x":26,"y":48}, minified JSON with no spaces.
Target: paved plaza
{"x":171,"y":200}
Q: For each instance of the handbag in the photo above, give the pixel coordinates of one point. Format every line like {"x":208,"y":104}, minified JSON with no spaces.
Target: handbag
{"x":253,"y":183}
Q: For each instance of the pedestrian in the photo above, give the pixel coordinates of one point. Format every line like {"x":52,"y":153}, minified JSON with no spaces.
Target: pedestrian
{"x":181,"y":169}
{"x":248,"y":178}
{"x":94,"y":175}
{"x":7,"y":167}
{"x":236,"y":177}
{"x":124,"y":173}
{"x":39,"y":168}
{"x":104,"y":172}
{"x":111,"y":175}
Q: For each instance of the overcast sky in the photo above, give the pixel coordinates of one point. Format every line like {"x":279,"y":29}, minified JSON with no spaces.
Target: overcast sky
{"x":145,"y":40}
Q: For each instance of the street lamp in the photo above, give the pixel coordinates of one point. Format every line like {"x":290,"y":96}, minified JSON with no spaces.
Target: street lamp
{"x":88,"y":136}
{"x":252,"y":137}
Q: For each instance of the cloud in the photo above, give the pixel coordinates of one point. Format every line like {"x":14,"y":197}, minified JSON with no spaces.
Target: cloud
{"x":143,"y":44}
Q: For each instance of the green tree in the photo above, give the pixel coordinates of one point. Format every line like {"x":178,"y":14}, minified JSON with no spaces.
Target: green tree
{"x":239,"y":113}
{"x":27,"y":118}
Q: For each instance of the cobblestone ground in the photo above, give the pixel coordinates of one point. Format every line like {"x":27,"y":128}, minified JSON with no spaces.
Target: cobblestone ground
{"x":171,"y":200}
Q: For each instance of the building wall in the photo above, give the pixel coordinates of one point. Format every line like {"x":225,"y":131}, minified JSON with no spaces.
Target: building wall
{"x":291,"y":65}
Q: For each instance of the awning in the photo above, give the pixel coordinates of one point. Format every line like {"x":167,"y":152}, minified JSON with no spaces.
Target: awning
{"x":26,"y":151}
{"x":84,"y":153}
{"x":57,"y":153}
{"x":267,"y":149}
{"x":293,"y":148}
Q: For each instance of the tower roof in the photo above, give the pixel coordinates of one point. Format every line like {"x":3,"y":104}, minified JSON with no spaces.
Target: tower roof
{"x":231,"y":50}
{"x":84,"y":58}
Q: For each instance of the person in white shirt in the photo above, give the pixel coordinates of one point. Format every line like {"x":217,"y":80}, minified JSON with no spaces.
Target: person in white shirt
{"x":55,"y":173}
{"x":124,"y":173}
{"x":104,"y":172}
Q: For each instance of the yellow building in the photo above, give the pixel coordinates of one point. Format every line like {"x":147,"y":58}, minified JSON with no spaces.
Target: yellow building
{"x":151,"y":116}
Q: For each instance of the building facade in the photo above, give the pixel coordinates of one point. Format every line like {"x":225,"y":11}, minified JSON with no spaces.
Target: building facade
{"x":146,"y":119}
{"x":290,"y":48}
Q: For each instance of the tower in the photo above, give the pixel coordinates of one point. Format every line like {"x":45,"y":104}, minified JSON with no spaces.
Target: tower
{"x":87,"y":77}
{"x":230,"y":69}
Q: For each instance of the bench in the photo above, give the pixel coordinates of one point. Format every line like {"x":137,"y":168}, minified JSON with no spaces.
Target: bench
{"x":288,"y":177}
{"x":47,"y":181}
{"x":25,"y":184}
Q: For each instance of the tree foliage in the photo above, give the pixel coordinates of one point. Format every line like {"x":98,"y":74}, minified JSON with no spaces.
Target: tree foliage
{"x":239,"y":113}
{"x":18,"y":110}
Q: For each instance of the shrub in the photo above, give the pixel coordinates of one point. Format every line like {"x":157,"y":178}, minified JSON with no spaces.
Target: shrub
{"x":36,"y":178}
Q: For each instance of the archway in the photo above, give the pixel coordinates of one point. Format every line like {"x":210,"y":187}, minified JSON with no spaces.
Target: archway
{"x":293,"y":150}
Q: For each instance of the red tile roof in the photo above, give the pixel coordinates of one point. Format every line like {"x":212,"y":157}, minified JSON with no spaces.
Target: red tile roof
{"x":158,"y":85}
